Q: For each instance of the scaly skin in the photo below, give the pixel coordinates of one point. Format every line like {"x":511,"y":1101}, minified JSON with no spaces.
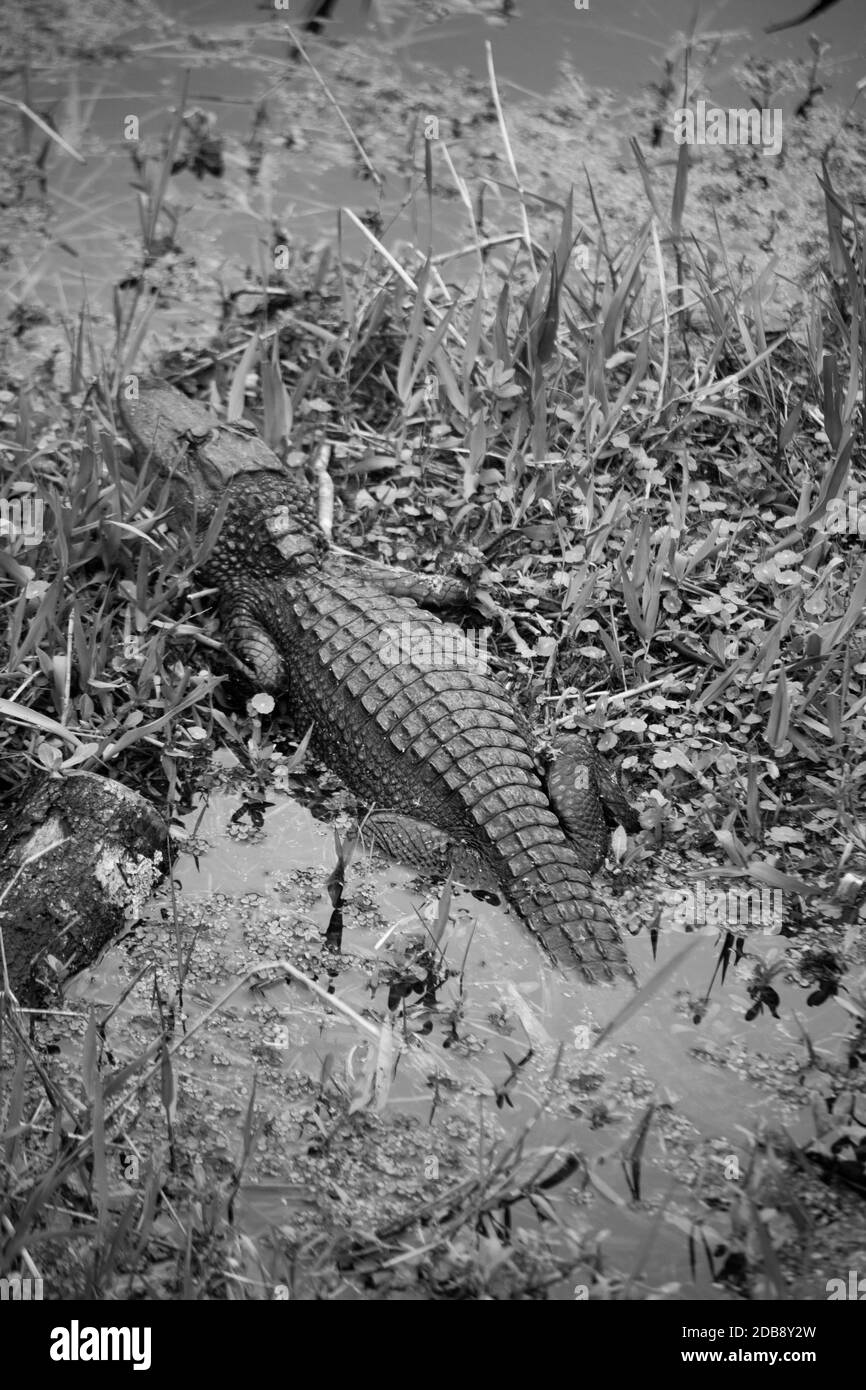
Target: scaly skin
{"x":446,"y":748}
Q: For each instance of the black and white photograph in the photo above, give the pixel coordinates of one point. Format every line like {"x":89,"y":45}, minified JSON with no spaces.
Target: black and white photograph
{"x":432,"y":671}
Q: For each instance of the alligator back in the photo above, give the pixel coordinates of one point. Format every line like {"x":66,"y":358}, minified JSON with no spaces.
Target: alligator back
{"x":444,"y":746}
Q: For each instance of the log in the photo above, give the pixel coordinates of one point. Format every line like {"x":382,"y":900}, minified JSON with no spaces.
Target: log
{"x":79,"y":858}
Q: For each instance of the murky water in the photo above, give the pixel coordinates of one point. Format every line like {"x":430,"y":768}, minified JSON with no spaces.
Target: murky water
{"x":255,"y":896}
{"x":621,"y":45}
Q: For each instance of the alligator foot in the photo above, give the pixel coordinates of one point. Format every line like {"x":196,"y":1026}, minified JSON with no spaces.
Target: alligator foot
{"x":587,"y":797}
{"x":433,"y":852}
{"x":583,"y":790}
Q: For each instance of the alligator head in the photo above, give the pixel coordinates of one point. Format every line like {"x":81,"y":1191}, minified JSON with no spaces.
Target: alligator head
{"x":269,"y":522}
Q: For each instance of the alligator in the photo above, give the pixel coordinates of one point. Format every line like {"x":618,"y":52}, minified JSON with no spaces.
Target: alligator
{"x":444,"y":758}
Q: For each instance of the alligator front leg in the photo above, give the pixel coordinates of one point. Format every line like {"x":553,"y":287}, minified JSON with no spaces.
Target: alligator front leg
{"x":248,"y":637}
{"x":432,"y":591}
